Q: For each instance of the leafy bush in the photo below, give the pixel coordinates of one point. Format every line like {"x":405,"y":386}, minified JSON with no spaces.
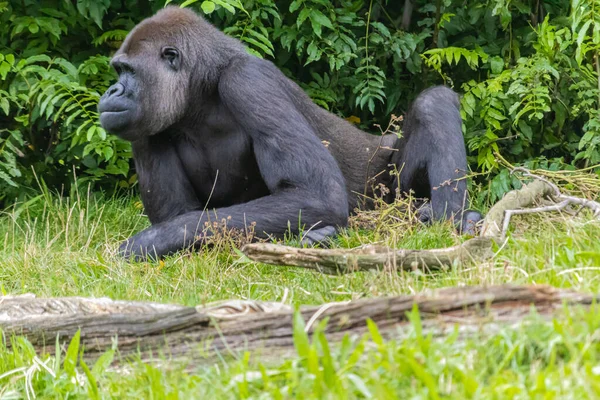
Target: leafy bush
{"x":528,"y":72}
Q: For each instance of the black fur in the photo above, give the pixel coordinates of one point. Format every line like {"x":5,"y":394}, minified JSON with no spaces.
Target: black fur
{"x":218,"y":134}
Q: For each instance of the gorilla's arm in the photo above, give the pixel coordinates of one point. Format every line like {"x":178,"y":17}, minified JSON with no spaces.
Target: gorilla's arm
{"x":165,"y":190}
{"x":305,"y":184}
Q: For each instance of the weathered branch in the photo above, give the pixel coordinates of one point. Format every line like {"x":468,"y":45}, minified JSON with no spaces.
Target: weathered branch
{"x":517,"y":202}
{"x":342,"y":261}
{"x":527,"y":196}
{"x":230,"y":327}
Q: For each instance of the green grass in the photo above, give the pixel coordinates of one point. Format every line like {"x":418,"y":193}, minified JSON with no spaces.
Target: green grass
{"x":66,"y":247}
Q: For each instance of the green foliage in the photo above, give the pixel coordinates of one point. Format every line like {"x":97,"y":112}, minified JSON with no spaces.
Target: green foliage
{"x":535,"y":97}
{"x":528,"y":73}
{"x":51,"y":79}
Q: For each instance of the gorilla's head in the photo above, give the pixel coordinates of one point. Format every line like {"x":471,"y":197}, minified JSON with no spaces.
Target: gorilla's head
{"x":166,"y":64}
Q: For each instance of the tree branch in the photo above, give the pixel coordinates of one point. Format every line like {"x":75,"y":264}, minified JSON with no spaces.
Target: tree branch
{"x":343,"y":261}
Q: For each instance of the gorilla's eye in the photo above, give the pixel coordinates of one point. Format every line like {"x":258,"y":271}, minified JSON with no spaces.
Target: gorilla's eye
{"x":171,"y":55}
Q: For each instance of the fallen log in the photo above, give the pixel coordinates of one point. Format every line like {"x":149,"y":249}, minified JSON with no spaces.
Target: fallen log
{"x":234,"y":326}
{"x":343,"y":261}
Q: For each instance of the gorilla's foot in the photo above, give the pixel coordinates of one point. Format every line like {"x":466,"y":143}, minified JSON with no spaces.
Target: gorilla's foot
{"x":425,"y":213}
{"x":469,"y":222}
{"x":318,"y":236}
{"x":466,"y":226}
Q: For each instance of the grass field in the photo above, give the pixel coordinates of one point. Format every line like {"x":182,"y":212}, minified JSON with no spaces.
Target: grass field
{"x":66,"y":247}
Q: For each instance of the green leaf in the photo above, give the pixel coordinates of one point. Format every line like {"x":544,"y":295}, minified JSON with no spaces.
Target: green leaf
{"x":360,"y":385}
{"x":90,"y":132}
{"x":57,"y":352}
{"x":302,"y":16}
{"x":314,"y":53}
{"x":101,"y":132}
{"x":207,"y":7}
{"x":5,"y":105}
{"x":319,"y":18}
{"x":107,"y":152}
{"x":295,"y":5}
{"x":381,"y":28}
{"x":91,"y":381}
{"x":526,"y":131}
{"x":71,"y":117}
{"x":258,"y":44}
{"x":68,"y":67}
{"x":423,"y":375}
{"x":38,"y":58}
{"x":300,"y":336}
{"x":103,"y":362}
{"x":497,"y":64}
{"x":329,"y":373}
{"x":469,"y":103}
{"x":225,"y":5}
{"x":71,"y":357}
{"x":53,"y":13}
{"x":93,"y":9}
{"x":374,"y":331}
{"x":4,"y":69}
{"x":492,"y":112}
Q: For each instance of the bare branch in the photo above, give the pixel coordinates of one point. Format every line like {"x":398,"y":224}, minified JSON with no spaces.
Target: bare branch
{"x":514,"y":203}
{"x":343,"y":261}
{"x":527,"y":196}
{"x":509,"y":213}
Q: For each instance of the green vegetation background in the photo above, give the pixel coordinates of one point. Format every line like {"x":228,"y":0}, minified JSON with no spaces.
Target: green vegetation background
{"x":527,"y":69}
{"x":529,"y":75}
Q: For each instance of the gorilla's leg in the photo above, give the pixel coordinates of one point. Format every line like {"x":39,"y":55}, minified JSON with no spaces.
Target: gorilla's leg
{"x":432,"y":157}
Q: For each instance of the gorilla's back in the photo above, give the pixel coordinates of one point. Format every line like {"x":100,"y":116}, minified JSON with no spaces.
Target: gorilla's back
{"x":363,"y":158}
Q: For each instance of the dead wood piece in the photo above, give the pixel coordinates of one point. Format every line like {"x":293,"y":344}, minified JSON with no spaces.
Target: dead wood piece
{"x":234,"y":308}
{"x":519,"y":202}
{"x":342,"y":261}
{"x":185,"y":331}
{"x":527,"y":196}
{"x":11,"y":307}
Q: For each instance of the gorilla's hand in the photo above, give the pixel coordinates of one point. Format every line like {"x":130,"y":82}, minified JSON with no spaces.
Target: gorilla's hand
{"x":154,"y":243}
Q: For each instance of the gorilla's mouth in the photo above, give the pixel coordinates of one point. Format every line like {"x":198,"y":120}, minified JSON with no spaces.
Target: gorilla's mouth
{"x":113,"y":112}
{"x":115,"y":120}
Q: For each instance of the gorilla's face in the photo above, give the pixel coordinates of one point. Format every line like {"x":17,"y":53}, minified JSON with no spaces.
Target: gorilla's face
{"x":151,"y":92}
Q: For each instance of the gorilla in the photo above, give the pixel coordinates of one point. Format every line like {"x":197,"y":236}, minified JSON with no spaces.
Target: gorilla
{"x":220,"y":136}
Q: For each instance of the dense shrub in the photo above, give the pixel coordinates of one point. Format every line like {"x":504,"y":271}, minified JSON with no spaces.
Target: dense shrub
{"x":528,"y":71}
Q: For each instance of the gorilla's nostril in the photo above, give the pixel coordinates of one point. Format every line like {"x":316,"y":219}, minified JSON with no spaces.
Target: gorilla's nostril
{"x":116,"y":90}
